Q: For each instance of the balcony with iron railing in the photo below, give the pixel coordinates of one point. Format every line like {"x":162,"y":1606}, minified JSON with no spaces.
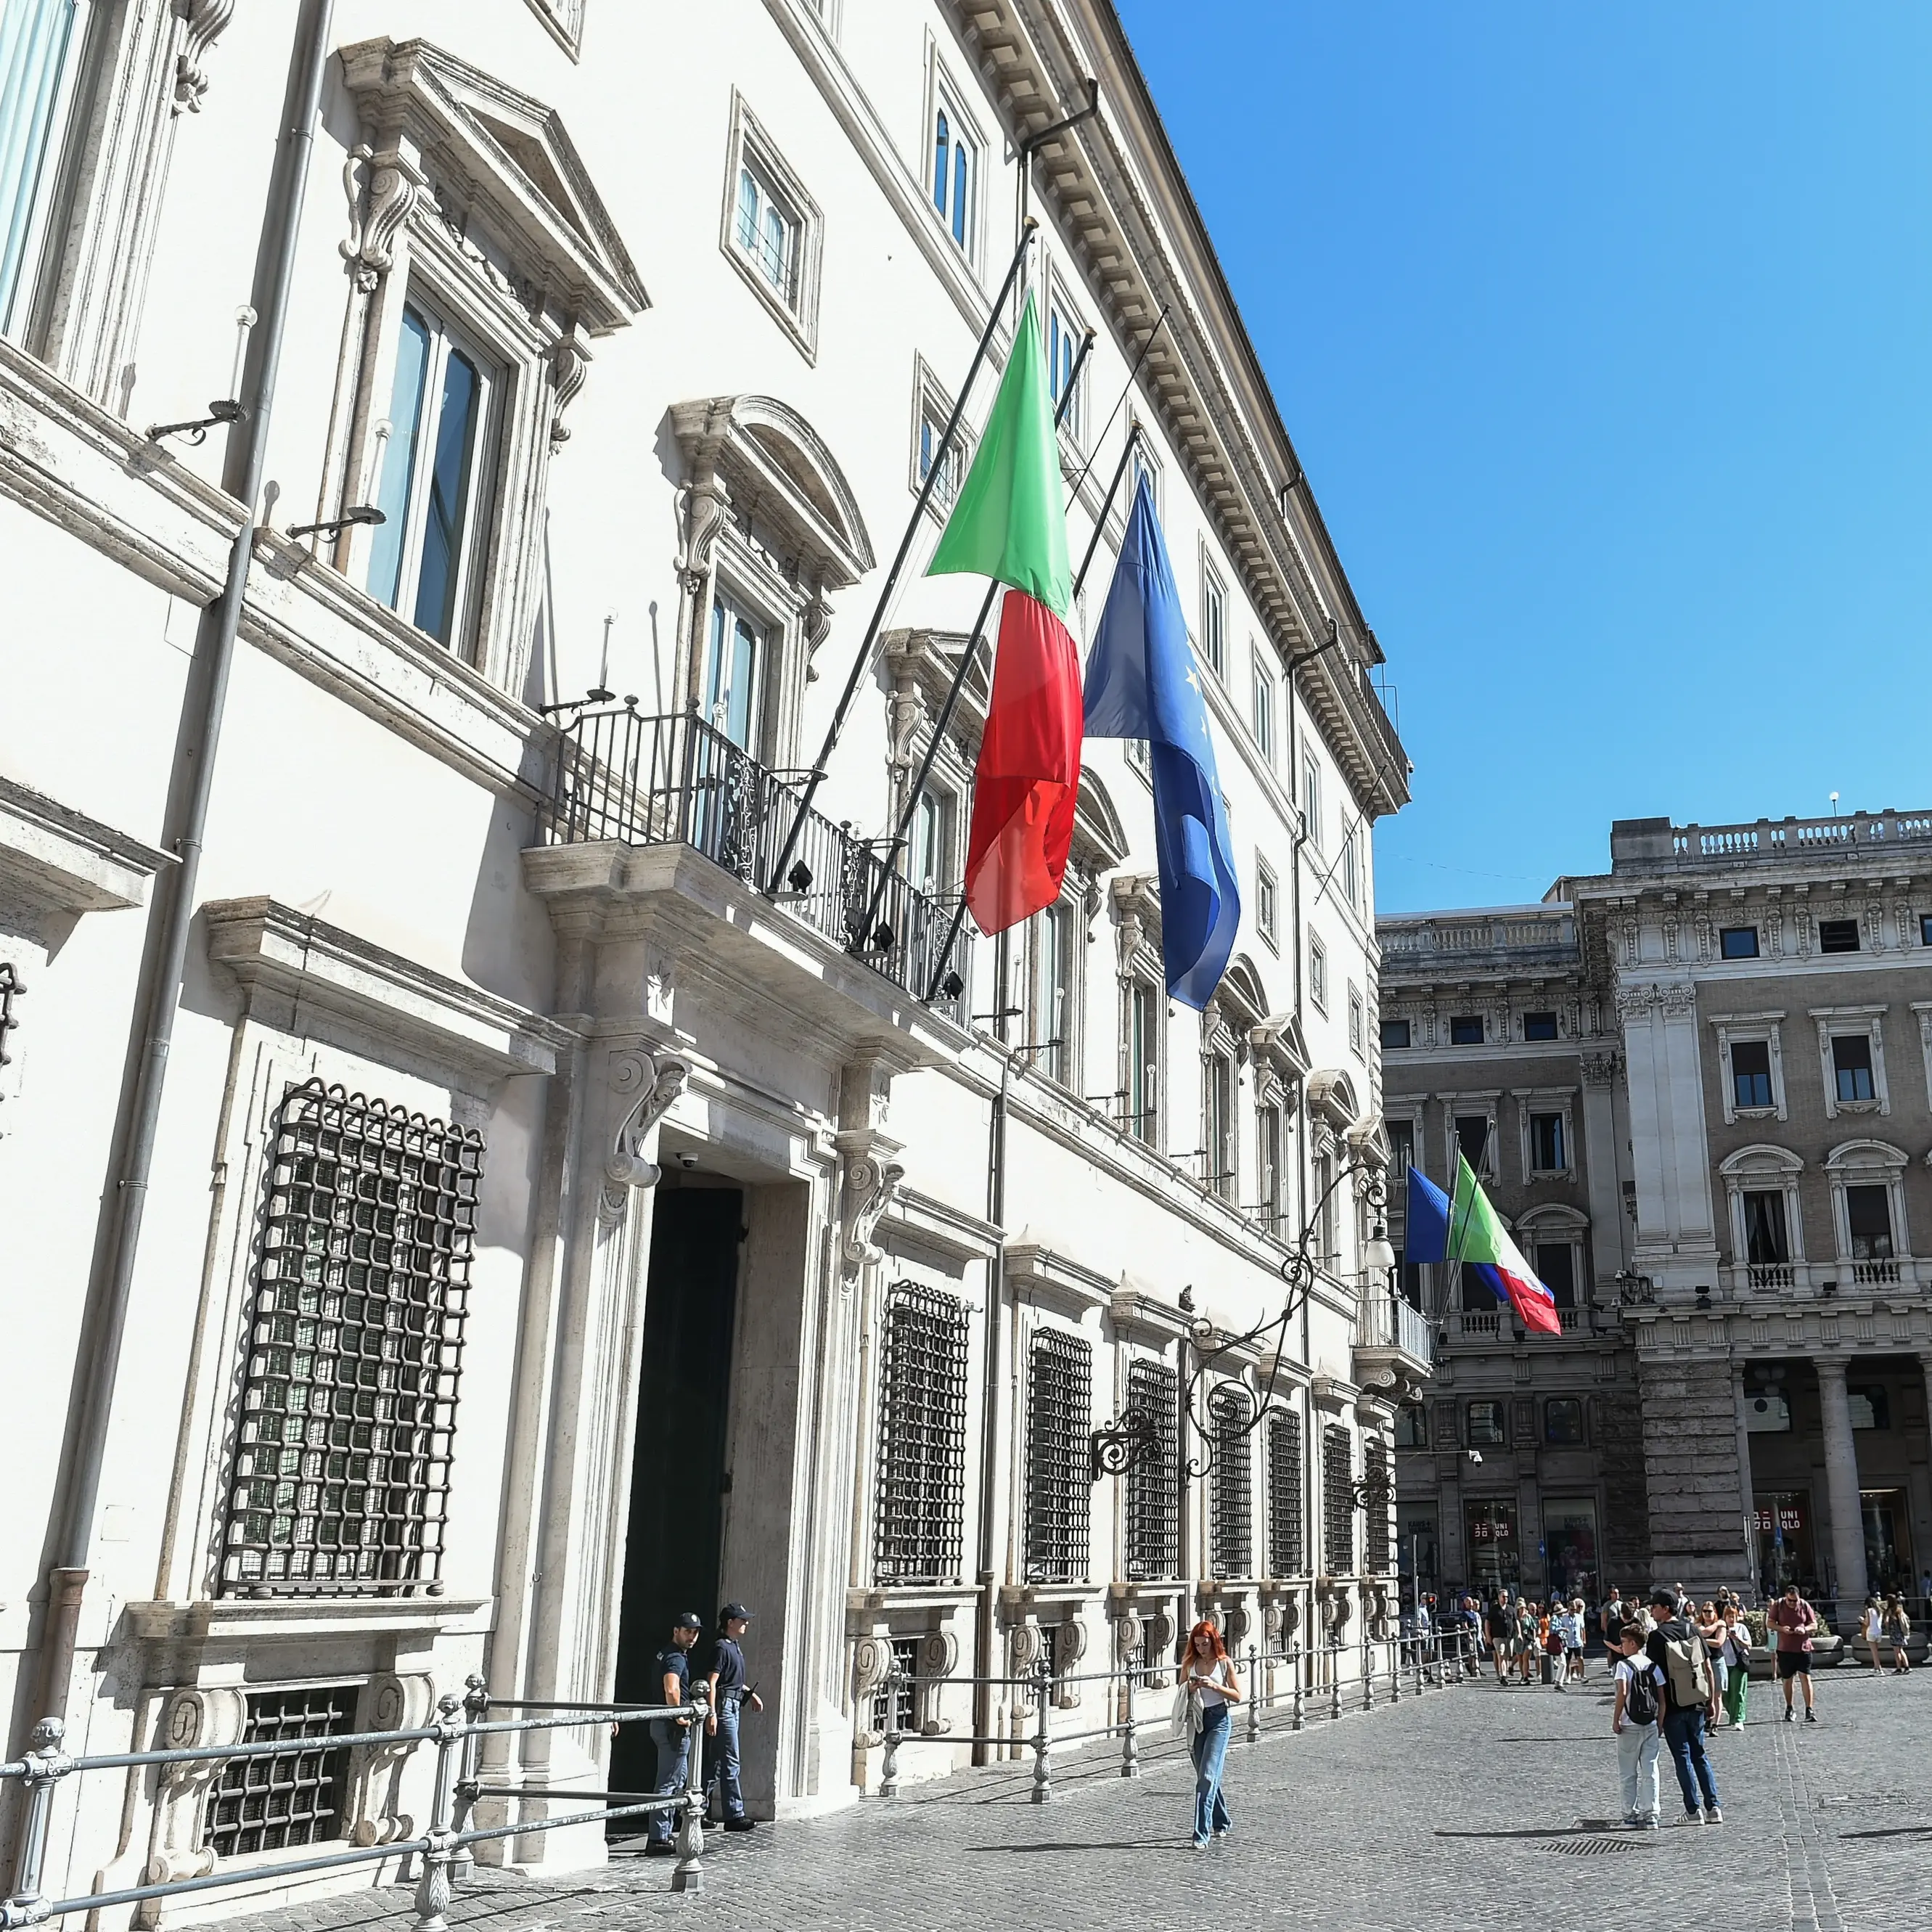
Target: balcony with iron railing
{"x":1393,"y":1335}
{"x":627,"y":781}
{"x":1809,"y":1281}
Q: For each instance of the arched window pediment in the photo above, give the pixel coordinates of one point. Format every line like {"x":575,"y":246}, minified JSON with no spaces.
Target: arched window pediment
{"x":1865,"y":1154}
{"x":1761,"y":1159}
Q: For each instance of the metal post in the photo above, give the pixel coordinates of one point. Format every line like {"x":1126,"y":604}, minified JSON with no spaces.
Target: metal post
{"x":1421,"y":1665}
{"x":1368,"y":1669}
{"x":1130,"y":1747}
{"x":49,"y":1764}
{"x":1395,"y":1669}
{"x":687,"y":1874}
{"x":888,"y":1765}
{"x":475,"y":1711}
{"x":1295,"y":1664}
{"x":1335,"y":1677}
{"x":432,"y":1903}
{"x":1043,"y":1748}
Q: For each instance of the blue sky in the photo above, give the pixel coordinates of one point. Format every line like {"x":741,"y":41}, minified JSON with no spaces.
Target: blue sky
{"x":1605,"y":335}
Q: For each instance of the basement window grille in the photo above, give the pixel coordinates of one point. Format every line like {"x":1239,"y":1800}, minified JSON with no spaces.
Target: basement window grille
{"x":1374,"y":1460}
{"x":1338,"y":1506}
{"x":919,"y":1524}
{"x":276,"y":1804}
{"x":1288,"y":1552}
{"x":341,"y":1479}
{"x":1153,"y":1483}
{"x":895,"y":1703}
{"x":1060,"y":1417}
{"x":1231,"y":1535}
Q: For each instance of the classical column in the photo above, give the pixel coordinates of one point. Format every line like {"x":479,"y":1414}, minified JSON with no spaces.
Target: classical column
{"x":1747,"y":1493}
{"x":1841,"y":1486}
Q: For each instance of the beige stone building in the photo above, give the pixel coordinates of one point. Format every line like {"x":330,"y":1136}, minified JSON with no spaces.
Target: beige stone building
{"x":1753,"y":1015}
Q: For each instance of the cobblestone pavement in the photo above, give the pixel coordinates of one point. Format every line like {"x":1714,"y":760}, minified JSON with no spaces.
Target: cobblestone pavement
{"x":1480,"y":1806}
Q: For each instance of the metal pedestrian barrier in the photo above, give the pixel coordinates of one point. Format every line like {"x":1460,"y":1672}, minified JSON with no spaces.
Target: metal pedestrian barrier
{"x":459,"y":1727}
{"x":1434,"y":1660}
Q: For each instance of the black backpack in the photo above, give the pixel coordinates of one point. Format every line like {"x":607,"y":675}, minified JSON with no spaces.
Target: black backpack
{"x":1640,"y":1698}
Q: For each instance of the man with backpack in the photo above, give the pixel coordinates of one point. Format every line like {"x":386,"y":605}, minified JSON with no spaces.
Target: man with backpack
{"x":1639,"y":1694}
{"x":1690,"y":1697}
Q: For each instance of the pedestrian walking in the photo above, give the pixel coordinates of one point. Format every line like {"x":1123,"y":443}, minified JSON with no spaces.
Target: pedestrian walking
{"x":1873,"y":1624}
{"x":1690,"y":1698}
{"x":1709,"y":1624}
{"x":672,"y":1736}
{"x":1611,"y":1617}
{"x":1897,"y":1628}
{"x":1737,"y":1647}
{"x":1499,"y":1629}
{"x":1528,"y":1647}
{"x":1796,"y":1624}
{"x":1207,"y":1688}
{"x":1573,"y":1634}
{"x":730,"y":1693}
{"x":1634,"y":1713}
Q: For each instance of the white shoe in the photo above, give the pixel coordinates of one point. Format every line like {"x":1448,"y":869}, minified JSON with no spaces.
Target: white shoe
{"x":1691,"y":1818}
{"x":1712,"y":1816}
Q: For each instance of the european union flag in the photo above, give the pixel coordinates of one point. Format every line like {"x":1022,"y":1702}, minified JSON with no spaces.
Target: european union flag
{"x":1142,"y":683}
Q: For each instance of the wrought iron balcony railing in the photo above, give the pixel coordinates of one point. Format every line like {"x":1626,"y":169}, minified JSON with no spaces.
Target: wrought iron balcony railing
{"x":675,"y":780}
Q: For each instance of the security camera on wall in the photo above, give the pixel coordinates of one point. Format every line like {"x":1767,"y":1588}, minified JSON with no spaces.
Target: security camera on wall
{"x":1476,"y":1457}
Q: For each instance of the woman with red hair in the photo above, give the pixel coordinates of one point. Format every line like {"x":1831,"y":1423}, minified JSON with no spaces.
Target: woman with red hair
{"x":1208,"y":1684}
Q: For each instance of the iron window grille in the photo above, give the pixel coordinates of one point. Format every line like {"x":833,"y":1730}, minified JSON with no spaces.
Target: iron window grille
{"x":1231,"y":1511}
{"x":11,"y":988}
{"x":895,"y":1703}
{"x":1288,"y":1554}
{"x":1152,"y":1482}
{"x":341,"y":1477}
{"x":1375,"y":1467}
{"x":276,"y":1804}
{"x":1060,"y":1417}
{"x":919,"y":1527}
{"x":1338,"y":1503}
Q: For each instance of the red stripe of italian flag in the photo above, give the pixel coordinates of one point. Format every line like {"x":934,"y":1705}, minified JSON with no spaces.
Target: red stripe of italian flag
{"x":1476,"y":1234}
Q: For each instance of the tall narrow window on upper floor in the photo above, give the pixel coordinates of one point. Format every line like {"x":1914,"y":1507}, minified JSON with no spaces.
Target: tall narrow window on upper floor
{"x":1143,"y":1054}
{"x":1048,"y":1014}
{"x":1064,"y":338}
{"x":1262,"y":712}
{"x":436,"y":473}
{"x":1311,"y":802}
{"x":38,"y":38}
{"x":734,"y":672}
{"x":955,"y":171}
{"x":767,"y":233}
{"x":931,"y":855}
{"x":1351,"y":869}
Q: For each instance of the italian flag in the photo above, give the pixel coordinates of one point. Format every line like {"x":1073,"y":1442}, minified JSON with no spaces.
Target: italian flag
{"x":1010,"y":524}
{"x":1467,"y":1228}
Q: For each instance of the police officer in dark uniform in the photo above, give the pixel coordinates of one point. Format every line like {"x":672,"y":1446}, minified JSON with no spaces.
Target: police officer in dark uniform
{"x":729,"y":1694}
{"x":672,"y":1736}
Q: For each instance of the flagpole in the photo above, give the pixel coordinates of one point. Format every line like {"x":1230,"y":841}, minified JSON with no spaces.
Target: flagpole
{"x":932,"y":475}
{"x":966,"y":660}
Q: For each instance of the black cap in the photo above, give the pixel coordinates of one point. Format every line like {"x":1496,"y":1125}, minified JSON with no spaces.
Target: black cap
{"x":687,"y":1620}
{"x":1664,"y":1595}
{"x":731,"y":1610}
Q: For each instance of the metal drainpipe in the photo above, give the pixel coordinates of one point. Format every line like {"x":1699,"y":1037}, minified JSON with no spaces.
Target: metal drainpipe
{"x":175,"y":893}
{"x":989,"y":1412}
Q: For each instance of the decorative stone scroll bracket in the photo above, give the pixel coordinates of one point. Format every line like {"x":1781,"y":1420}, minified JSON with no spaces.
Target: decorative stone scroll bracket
{"x":871,"y":1181}
{"x":203,"y":22}
{"x":378,"y":207}
{"x":649,"y":1084}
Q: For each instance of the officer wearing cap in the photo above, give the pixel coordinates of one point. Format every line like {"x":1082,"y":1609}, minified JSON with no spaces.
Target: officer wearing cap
{"x":672,"y":1736}
{"x":729,"y":1692}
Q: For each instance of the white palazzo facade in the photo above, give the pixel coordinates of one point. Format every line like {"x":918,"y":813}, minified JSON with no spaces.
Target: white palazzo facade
{"x":557,"y":1219}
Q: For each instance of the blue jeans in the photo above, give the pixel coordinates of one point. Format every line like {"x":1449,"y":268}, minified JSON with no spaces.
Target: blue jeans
{"x":1684,"y":1732}
{"x":1211,"y":1752}
{"x":724,"y":1758}
{"x":673,"y":1744}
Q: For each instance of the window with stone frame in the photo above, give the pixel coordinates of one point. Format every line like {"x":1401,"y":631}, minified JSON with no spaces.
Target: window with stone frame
{"x":1487,"y":1424}
{"x":1317,"y":973}
{"x":1750,"y":1074}
{"x":1152,"y":1482}
{"x":958,"y":151}
{"x":919,"y":1514}
{"x":771,"y":231}
{"x":1338,"y":1502}
{"x":482,"y":264}
{"x":1220,"y":1155}
{"x":932,"y":410}
{"x":1231,"y":1483}
{"x":1059,"y":1419}
{"x":1563,"y":1420}
{"x":1269,"y":1173}
{"x":339,"y":1482}
{"x":1288,"y":1549}
{"x":1266,"y":916}
{"x":1213,"y":620}
{"x":1047,"y":945}
{"x":1141,"y":1051}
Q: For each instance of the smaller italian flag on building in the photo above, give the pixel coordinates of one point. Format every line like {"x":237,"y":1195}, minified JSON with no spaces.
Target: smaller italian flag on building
{"x":1009,"y":523}
{"x":1468,"y":1229}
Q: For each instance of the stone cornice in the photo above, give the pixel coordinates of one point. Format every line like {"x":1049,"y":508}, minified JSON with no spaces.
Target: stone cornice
{"x":67,"y":863}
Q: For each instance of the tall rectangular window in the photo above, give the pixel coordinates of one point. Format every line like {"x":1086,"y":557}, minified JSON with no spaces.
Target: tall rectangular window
{"x":1357,"y":1024}
{"x":1152,"y":1482}
{"x":768,"y":232}
{"x":1547,"y":1154}
{"x":1318,"y":973}
{"x":1288,"y":1554}
{"x":1311,"y":802}
{"x":1766,"y":1242}
{"x":1751,"y":1073}
{"x":1472,"y":1140}
{"x":1851,"y":1066}
{"x":1868,"y":1222}
{"x":1264,"y":901}
{"x":1063,"y":338}
{"x":931,"y":856}
{"x":436,"y":478}
{"x":1048,"y":1011}
{"x":956,"y":172}
{"x":1268,"y":1162}
{"x":341,"y":1474}
{"x":1219,"y":1139}
{"x":1351,"y":868}
{"x":36,"y":39}
{"x":1143,"y":1093}
{"x":1261,"y":712}
{"x":1375,"y":1466}
{"x":1556,"y":1269}
{"x":1231,"y":1483}
{"x":734,"y":674}
{"x":952,"y":469}
{"x":921,"y":1514}
{"x":1487,"y":1430}
{"x":1338,"y":1504}
{"x":1214,"y":623}
{"x":1060,"y":1417}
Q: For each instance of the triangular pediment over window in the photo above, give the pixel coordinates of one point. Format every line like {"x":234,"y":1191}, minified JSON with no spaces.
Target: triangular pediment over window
{"x":486,"y":145}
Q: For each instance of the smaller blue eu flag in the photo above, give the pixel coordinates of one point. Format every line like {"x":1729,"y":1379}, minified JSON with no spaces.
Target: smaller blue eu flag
{"x":1142,"y":683}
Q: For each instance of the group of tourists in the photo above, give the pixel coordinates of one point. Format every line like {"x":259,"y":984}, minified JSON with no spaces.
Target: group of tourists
{"x":1528,"y":1641}
{"x":1888,"y":1622}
